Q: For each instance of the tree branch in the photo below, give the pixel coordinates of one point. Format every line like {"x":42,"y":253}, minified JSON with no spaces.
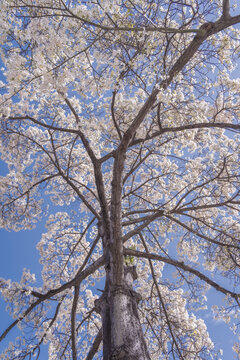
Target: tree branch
{"x":46,"y":126}
{"x":137,"y":230}
{"x":160,"y":297}
{"x":206,"y":206}
{"x":113,"y":115}
{"x":97,"y":168}
{"x":73,"y":322}
{"x":75,"y":188}
{"x":50,"y":325}
{"x":206,"y":30}
{"x":66,"y":12}
{"x":95,"y":345}
{"x":81,"y":134}
{"x":225,"y":9}
{"x":32,"y":187}
{"x":201,"y":235}
{"x":187,"y":127}
{"x":79,"y":277}
{"x":181,"y":265}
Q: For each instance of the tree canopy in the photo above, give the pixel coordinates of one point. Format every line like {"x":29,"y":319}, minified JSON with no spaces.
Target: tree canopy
{"x":120,"y":126}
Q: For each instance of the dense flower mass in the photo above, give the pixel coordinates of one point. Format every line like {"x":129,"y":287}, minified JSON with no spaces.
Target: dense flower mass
{"x":125,"y":114}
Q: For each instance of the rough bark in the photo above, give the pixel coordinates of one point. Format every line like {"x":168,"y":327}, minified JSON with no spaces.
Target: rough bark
{"x":122,"y":333}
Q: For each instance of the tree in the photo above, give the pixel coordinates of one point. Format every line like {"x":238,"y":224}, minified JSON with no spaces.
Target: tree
{"x":125,"y":113}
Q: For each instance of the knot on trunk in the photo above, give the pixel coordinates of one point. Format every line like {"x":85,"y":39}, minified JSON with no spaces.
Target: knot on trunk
{"x":101,"y":303}
{"x":130,"y":274}
{"x":126,"y":290}
{"x":205,"y":29}
{"x":120,"y":352}
{"x":136,"y":296}
{"x":132,"y":271}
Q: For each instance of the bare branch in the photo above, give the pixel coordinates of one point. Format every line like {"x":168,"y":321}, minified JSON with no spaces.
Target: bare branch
{"x":226,"y":126}
{"x":96,"y":165}
{"x":95,"y":345}
{"x":148,"y":220}
{"x":73,"y":322}
{"x":66,"y":12}
{"x":80,"y":276}
{"x":49,"y":326}
{"x":193,"y":231}
{"x":226,"y":9}
{"x":32,"y":187}
{"x":183,"y":266}
{"x":206,"y":206}
{"x":50,"y":127}
{"x":113,"y":115}
{"x":160,"y":297}
{"x":81,"y":134}
{"x":75,"y":188}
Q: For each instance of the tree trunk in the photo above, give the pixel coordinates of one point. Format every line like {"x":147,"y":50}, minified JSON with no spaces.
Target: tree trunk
{"x":122,"y":333}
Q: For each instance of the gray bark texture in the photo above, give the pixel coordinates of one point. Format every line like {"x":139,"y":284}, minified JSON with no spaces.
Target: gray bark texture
{"x":122,"y":333}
